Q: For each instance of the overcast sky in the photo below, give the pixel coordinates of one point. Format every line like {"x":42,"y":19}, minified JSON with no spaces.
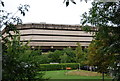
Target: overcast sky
{"x":50,"y":11}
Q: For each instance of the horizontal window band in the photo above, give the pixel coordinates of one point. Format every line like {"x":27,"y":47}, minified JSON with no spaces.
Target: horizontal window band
{"x":55,"y":35}
{"x":54,"y":29}
{"x":52,"y":41}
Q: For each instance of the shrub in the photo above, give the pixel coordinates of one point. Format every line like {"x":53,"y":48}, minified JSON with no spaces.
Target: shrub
{"x":19,"y":62}
{"x":61,"y":66}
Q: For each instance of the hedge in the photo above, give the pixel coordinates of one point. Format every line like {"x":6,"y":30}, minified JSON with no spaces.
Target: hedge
{"x":61,"y":66}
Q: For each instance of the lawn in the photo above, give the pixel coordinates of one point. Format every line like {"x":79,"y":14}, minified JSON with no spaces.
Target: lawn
{"x":70,"y":74}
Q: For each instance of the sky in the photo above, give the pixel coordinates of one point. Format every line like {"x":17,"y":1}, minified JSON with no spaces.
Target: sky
{"x":50,"y":11}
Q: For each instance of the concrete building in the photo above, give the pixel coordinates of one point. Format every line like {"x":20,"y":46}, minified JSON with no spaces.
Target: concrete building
{"x":53,"y":36}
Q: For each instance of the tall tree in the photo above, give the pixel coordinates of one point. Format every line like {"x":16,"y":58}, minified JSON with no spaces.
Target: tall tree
{"x":64,"y":58}
{"x":79,"y":54}
{"x":105,"y":17}
{"x":19,"y":62}
{"x":70,"y":53}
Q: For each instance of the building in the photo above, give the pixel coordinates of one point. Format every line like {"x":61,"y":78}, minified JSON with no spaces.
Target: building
{"x":53,"y":36}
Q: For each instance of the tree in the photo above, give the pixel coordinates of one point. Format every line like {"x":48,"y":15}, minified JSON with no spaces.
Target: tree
{"x":55,"y":56}
{"x":66,"y":55}
{"x":64,"y":58}
{"x":78,"y":53}
{"x":98,"y":58}
{"x":70,"y":53}
{"x":80,"y":57}
{"x":19,"y":61}
{"x":105,"y":17}
{"x":44,"y":59}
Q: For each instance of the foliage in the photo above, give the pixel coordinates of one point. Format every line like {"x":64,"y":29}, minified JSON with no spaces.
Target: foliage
{"x":55,"y":56}
{"x":70,"y":54}
{"x":95,"y":52}
{"x":69,"y":51}
{"x":67,"y":2}
{"x":9,"y":18}
{"x":79,"y":53}
{"x":43,"y":59}
{"x":106,"y":44}
{"x":102,"y":14}
{"x":61,"y":66}
{"x":62,"y":56}
{"x":67,"y":55}
{"x":19,"y":61}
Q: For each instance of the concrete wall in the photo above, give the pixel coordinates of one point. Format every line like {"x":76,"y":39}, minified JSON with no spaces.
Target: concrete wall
{"x":53,"y":35}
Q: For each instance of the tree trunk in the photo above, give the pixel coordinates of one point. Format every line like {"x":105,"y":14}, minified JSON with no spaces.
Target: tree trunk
{"x":102,"y":76}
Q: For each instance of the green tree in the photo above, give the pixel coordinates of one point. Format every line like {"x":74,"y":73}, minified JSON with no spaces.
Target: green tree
{"x":95,"y":52}
{"x":70,"y":53}
{"x":19,"y":61}
{"x":79,"y":55}
{"x":105,"y":17}
{"x":64,"y":58}
{"x":55,"y":56}
{"x":44,"y":59}
{"x":59,"y":55}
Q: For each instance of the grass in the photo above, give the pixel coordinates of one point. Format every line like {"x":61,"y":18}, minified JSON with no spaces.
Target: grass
{"x":83,"y":73}
{"x":73,"y":74}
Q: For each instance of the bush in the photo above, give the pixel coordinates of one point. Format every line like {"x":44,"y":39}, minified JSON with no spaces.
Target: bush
{"x":43,"y":59}
{"x":19,"y":62}
{"x":61,"y":66}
